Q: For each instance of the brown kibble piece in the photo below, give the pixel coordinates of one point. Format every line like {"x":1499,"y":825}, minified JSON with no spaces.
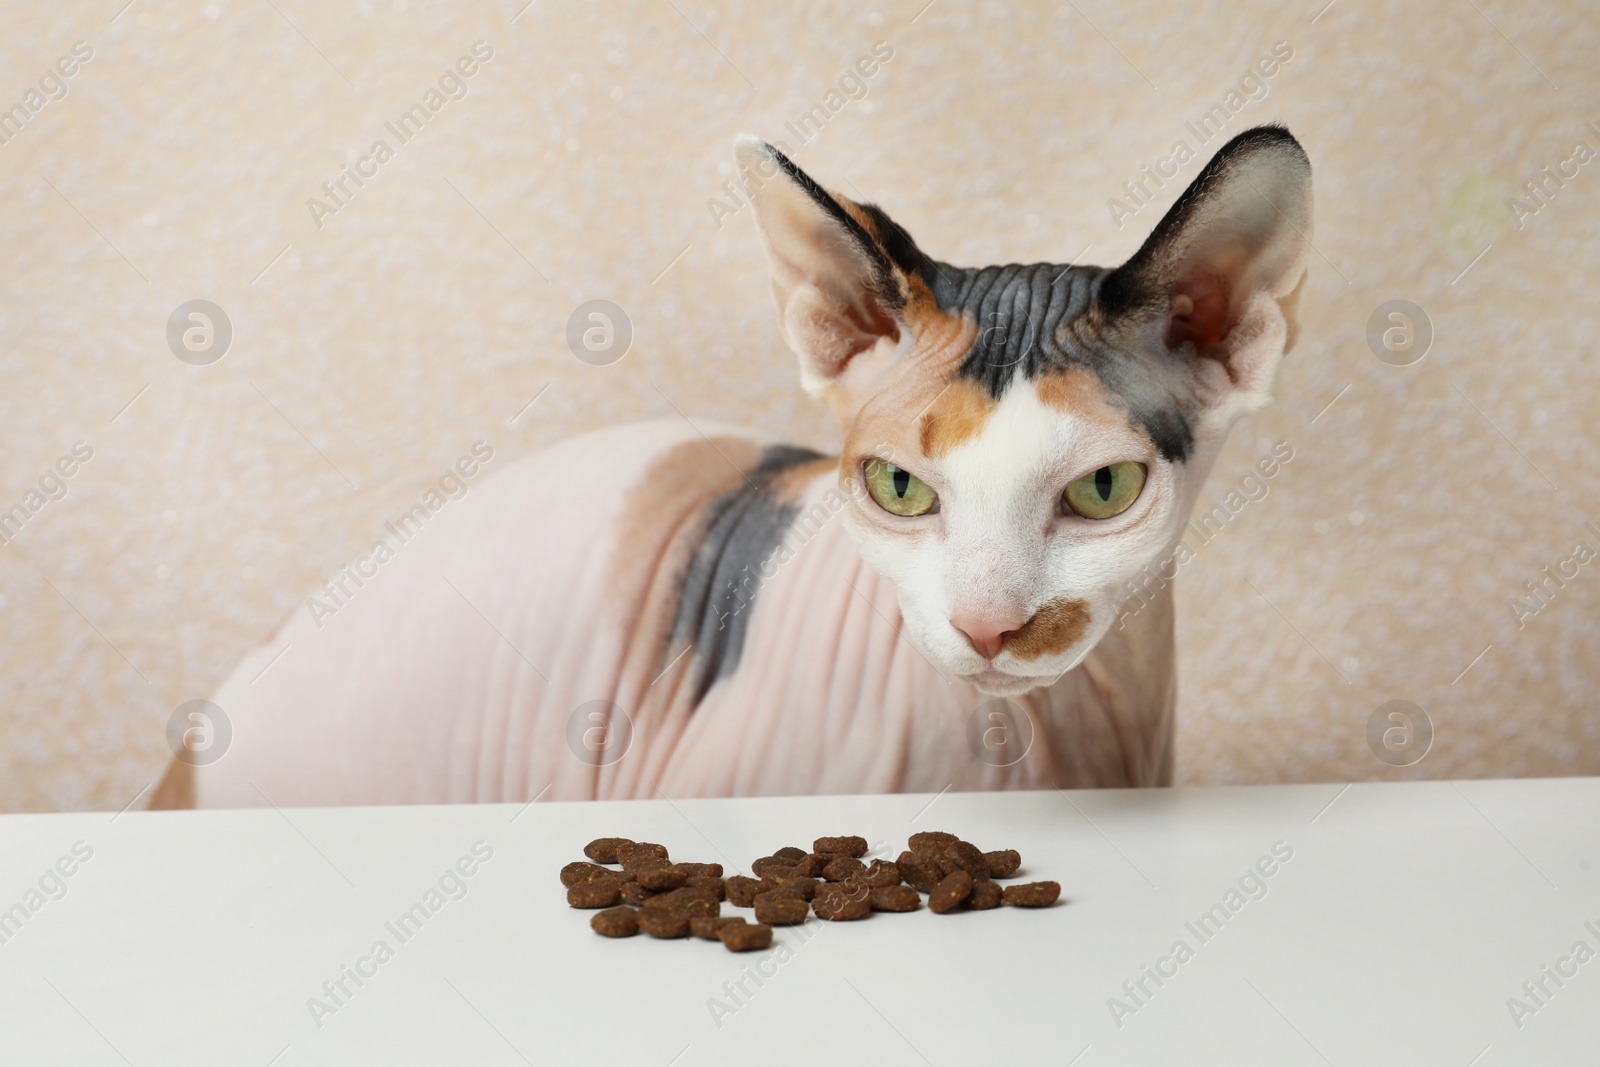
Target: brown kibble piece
{"x":595,"y":893}
{"x":615,"y":922}
{"x":771,"y":867}
{"x":714,"y":886}
{"x":706,"y":926}
{"x":741,"y":891}
{"x":931,"y":841}
{"x":1033,"y":894}
{"x":604,"y":849}
{"x":700,"y":870}
{"x":804,"y":888}
{"x":881,"y":873}
{"x":839,"y":901}
{"x":811,"y":865}
{"x":781,"y":909}
{"x":790,"y":854}
{"x":636,"y":853}
{"x":894,"y":898}
{"x":581,"y":871}
{"x":985,"y":895}
{"x":672,"y":898}
{"x":918,"y":871}
{"x":692,"y":901}
{"x":702,"y":906}
{"x":962,"y":856}
{"x":660,"y":878}
{"x":843,"y":868}
{"x":634,"y":893}
{"x":950,"y":892}
{"x":854,"y":847}
{"x":664,"y":922}
{"x":741,"y":936}
{"x":1003,"y":864}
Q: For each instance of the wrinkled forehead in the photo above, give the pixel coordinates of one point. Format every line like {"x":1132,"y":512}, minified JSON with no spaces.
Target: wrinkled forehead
{"x":1033,"y":332}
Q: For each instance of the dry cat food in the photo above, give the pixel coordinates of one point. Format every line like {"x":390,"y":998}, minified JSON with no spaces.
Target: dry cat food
{"x":918,"y":871}
{"x":1003,"y":864}
{"x":595,"y":893}
{"x":854,"y":847}
{"x":771,"y":865}
{"x":881,"y":874}
{"x":706,"y":926}
{"x":965,"y":857}
{"x":716,"y":886}
{"x":842,"y":901}
{"x":615,"y":922}
{"x":804,"y":888}
{"x":985,"y":895}
{"x":664,"y":922}
{"x":692,"y":902}
{"x":573,"y":873}
{"x":894,"y":898}
{"x":835,"y":881}
{"x":741,"y":936}
{"x":659,"y":878}
{"x":778,"y":908}
{"x":930,"y":841}
{"x":741,"y":891}
{"x":955,"y":888}
{"x":1033,"y":894}
{"x":843,"y":869}
{"x":604,"y":849}
{"x":633,"y":853}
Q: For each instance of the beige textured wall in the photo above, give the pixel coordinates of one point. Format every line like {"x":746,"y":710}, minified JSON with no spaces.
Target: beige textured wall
{"x":371,"y":352}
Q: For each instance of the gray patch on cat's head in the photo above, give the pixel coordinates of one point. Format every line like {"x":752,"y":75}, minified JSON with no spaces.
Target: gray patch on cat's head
{"x":1036,"y":318}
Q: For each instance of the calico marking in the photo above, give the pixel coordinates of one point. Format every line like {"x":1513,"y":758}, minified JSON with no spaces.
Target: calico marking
{"x":1042,"y":318}
{"x":954,"y":416}
{"x":741,"y":529}
{"x":1054,"y":628}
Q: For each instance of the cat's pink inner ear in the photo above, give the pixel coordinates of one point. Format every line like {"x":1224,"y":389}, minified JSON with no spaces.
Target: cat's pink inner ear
{"x":830,"y":334}
{"x":1199,"y":314}
{"x":1222,"y":269}
{"x":1204,"y":301}
{"x":829,"y":277}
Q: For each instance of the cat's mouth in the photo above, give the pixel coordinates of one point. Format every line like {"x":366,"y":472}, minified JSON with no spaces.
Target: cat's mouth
{"x":1003,"y":683}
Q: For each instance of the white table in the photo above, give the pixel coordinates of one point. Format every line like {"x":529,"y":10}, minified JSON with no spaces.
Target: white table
{"x":1405,"y":919}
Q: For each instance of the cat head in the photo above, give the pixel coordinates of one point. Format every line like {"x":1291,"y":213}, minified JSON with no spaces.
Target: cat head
{"x":1047,"y":426}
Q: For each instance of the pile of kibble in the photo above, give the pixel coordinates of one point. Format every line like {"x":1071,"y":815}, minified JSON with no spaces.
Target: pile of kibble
{"x":831,"y":881}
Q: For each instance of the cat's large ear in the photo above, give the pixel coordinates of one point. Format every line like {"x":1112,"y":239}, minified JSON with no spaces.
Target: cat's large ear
{"x":839,"y":293}
{"x":1223,"y":270}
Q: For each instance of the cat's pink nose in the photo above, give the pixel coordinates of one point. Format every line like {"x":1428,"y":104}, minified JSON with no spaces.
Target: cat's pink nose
{"x":987,"y":633}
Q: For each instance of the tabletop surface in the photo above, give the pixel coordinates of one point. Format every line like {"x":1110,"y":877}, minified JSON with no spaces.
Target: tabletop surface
{"x":1420,"y":923}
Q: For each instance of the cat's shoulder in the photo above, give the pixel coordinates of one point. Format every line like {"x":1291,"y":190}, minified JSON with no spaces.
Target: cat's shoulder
{"x":660,"y":451}
{"x":650,"y":438}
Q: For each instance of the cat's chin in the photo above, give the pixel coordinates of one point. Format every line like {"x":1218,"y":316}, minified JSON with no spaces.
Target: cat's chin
{"x":1000,"y":684}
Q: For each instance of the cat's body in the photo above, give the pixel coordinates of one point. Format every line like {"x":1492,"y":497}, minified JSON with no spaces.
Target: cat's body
{"x":682,"y":610}
{"x":824,"y":693}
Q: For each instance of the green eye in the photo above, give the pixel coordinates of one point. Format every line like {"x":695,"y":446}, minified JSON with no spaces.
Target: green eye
{"x":898,"y":491}
{"x":1108,"y":491}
